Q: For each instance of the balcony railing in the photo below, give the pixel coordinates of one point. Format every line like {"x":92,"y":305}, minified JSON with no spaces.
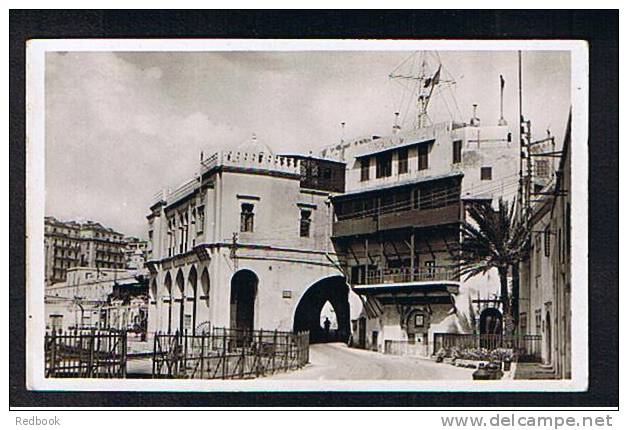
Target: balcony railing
{"x":400,"y":275}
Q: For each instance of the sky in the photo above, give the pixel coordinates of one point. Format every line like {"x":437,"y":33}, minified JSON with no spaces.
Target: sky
{"x":120,"y":126}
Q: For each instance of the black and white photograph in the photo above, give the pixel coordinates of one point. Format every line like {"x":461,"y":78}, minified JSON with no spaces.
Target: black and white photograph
{"x":289,"y":215}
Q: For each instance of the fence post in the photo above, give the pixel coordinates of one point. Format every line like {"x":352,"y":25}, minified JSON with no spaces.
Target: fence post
{"x":90,"y":359}
{"x":124,"y":353}
{"x":274,"y":350}
{"x":53,"y":363}
{"x":202,"y":353}
{"x":185,"y":352}
{"x":224,"y":353}
{"x":155,"y":337}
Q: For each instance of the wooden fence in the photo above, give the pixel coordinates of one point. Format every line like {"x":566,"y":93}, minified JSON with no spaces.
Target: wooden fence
{"x":228,"y":354}
{"x":526,"y":347}
{"x":86,"y":353}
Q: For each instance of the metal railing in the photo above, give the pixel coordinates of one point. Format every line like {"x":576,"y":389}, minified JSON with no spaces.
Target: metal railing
{"x":525,"y":347}
{"x":228,"y":354}
{"x":85,"y":353}
{"x":400,"y":275}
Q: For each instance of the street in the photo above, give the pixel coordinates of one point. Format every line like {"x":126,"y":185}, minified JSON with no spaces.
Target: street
{"x":336,"y":361}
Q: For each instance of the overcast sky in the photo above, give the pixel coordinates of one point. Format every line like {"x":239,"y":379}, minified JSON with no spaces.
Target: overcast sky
{"x":121,"y":126}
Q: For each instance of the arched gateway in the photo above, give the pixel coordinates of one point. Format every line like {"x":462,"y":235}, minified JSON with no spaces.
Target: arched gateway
{"x":308,"y":312}
{"x":243,"y":294}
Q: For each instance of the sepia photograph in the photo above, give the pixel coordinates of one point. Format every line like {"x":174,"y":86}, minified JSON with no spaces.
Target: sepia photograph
{"x":236,"y":215}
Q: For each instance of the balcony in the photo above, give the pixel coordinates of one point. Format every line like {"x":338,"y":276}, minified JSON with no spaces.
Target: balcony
{"x":405,"y":274}
{"x":414,"y":218}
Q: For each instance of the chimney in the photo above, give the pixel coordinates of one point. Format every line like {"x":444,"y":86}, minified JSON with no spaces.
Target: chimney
{"x":342,"y":132}
{"x":475,"y":121}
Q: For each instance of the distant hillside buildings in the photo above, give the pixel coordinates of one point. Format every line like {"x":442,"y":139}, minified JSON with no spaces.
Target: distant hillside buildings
{"x":70,"y":244}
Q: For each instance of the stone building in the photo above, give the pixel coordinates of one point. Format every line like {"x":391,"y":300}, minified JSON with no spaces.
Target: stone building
{"x":82,"y":300}
{"x":245,"y":244}
{"x":135,"y":253}
{"x":545,"y":298}
{"x":397,"y":228}
{"x":80,"y":244}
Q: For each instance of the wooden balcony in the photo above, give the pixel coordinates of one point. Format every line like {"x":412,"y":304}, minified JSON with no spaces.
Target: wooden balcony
{"x":413,"y":218}
{"x":401,"y":275}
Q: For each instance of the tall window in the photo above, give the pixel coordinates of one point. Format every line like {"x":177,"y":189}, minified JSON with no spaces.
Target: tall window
{"x":365,"y":166}
{"x":424,"y":151}
{"x":547,"y":237}
{"x":384,"y":165}
{"x":200,"y":219}
{"x":457,"y":156}
{"x":403,"y":161}
{"x":246,"y":218}
{"x":430,"y":268}
{"x":542,"y":168}
{"x":306,"y":220}
{"x":486,"y":173}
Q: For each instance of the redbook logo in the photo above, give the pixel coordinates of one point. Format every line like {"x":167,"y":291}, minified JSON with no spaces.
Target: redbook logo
{"x":36,"y":421}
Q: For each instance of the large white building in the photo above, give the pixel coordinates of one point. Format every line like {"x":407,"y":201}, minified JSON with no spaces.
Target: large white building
{"x":397,"y":227}
{"x":245,"y":244}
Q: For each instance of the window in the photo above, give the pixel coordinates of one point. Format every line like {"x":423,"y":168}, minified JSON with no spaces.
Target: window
{"x":547,"y":237}
{"x":403,"y":161}
{"x":542,"y":168}
{"x":457,"y":156}
{"x":364,"y":169}
{"x":327,"y":173}
{"x":384,"y":165}
{"x":304,"y":230}
{"x":523,"y":323}
{"x":419,"y":320}
{"x":537,"y":321}
{"x":424,"y":151}
{"x":430,"y":268}
{"x":246,"y":218}
{"x":200,"y":219}
{"x":486,"y":173}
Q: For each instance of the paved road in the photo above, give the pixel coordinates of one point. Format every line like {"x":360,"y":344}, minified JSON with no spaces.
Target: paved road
{"x":336,"y":361}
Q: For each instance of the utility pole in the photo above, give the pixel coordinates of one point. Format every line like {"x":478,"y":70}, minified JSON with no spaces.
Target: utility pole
{"x":234,"y":246}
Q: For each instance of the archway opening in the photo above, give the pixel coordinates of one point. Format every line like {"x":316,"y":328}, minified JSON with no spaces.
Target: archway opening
{"x":181,"y":299}
{"x":168,"y":287}
{"x":243,"y":294}
{"x":191,"y":293}
{"x":324,"y":311}
{"x":490,"y":328}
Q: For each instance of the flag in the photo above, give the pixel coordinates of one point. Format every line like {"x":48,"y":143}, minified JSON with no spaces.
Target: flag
{"x":434,"y":80}
{"x":502,"y":81}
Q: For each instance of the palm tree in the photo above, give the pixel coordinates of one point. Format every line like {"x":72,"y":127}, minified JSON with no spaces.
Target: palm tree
{"x":493,"y":239}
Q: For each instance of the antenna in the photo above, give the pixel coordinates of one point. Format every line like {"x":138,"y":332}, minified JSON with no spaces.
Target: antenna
{"x":342,"y":132}
{"x":423,"y":82}
{"x":502,"y":83}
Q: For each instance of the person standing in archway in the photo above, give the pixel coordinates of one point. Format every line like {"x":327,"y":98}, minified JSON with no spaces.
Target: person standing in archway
{"x":327,"y":324}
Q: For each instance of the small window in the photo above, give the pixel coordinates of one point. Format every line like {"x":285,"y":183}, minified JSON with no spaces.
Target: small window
{"x":486,"y":173}
{"x":306,"y":220}
{"x":364,"y":169}
{"x":327,"y":173}
{"x":246,"y":218}
{"x":457,"y":155}
{"x":384,"y":165}
{"x":542,"y":168}
{"x":430,"y":268}
{"x":419,"y":320}
{"x":424,"y":151}
{"x":403,"y":161}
